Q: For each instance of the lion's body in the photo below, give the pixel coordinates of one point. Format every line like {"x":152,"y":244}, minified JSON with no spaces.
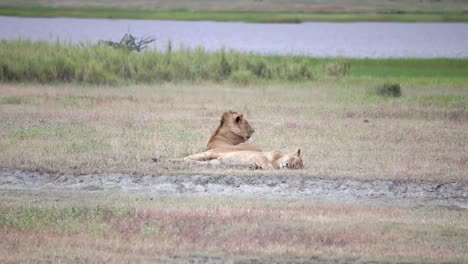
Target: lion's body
{"x":252,"y":159}
{"x":232,"y":133}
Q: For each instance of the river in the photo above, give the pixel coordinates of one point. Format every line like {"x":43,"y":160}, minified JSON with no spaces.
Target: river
{"x":357,"y":40}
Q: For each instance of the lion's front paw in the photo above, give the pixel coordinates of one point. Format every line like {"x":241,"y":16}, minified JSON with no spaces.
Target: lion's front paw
{"x":255,"y":166}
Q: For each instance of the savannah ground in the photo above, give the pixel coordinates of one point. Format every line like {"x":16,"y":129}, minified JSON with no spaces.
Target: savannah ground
{"x":342,"y":131}
{"x":60,"y":226}
{"x":272,"y":11}
{"x":109,"y":120}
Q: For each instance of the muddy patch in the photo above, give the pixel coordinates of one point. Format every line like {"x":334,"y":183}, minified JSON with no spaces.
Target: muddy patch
{"x":198,"y":259}
{"x":400,"y":193}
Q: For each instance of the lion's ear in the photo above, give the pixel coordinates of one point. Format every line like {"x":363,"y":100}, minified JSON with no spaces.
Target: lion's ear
{"x":298,"y":151}
{"x":238,"y":118}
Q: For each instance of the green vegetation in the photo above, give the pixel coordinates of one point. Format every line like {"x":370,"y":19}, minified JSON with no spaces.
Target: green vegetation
{"x":386,"y":90}
{"x":15,"y":100}
{"x":382,"y":6}
{"x":43,"y":62}
{"x":244,"y":16}
{"x":337,"y":68}
{"x":243,"y":77}
{"x":25,"y":61}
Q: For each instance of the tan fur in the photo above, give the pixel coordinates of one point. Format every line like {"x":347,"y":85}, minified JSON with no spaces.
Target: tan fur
{"x":252,"y":159}
{"x":232,"y":133}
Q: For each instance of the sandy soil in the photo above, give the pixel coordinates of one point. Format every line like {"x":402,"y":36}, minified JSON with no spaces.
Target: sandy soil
{"x":399,"y":193}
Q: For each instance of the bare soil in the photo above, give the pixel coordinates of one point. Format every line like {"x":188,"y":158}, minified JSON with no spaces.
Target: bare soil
{"x":381,"y":192}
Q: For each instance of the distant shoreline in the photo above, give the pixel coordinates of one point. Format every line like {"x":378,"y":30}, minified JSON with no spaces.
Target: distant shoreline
{"x":236,"y":16}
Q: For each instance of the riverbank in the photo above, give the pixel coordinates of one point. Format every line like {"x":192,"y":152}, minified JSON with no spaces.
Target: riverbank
{"x":236,"y":16}
{"x":44,"y":62}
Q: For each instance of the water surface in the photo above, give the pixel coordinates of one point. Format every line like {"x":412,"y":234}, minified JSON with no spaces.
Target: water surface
{"x":372,"y":40}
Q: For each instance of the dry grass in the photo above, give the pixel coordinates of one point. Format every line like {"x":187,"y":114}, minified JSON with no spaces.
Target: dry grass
{"x":143,"y":230}
{"x":342,"y":131}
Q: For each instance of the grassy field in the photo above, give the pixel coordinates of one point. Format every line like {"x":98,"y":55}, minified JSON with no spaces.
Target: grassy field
{"x":165,"y":105}
{"x":105,"y":227}
{"x":263,"y":5}
{"x":343,"y":130}
{"x":263,"y":11}
{"x":244,"y":16}
{"x":86,"y":109}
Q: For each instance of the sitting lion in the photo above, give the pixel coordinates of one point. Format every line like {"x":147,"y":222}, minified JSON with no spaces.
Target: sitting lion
{"x":232,"y":133}
{"x":252,"y":159}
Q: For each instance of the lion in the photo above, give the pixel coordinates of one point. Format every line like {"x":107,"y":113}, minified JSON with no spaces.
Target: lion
{"x":251,"y":159}
{"x":232,"y":133}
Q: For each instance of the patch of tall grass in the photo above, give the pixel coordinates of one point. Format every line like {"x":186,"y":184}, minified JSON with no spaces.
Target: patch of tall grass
{"x":24,"y":61}
{"x":44,"y":62}
{"x":69,"y":219}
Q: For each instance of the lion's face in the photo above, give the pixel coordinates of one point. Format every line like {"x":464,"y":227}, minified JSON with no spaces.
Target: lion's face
{"x":240,"y":126}
{"x":292,"y":161}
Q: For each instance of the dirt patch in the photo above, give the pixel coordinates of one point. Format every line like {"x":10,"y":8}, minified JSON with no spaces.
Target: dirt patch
{"x":399,"y":193}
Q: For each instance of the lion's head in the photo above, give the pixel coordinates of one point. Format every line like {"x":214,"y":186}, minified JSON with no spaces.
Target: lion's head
{"x":233,"y":129}
{"x":292,"y":161}
{"x":237,"y":124}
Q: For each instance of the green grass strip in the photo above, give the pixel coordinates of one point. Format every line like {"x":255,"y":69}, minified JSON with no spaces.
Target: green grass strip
{"x":253,"y":17}
{"x":44,"y":62}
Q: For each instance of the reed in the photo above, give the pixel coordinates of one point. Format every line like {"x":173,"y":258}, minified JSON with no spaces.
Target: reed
{"x":45,"y":62}
{"x":26,"y":61}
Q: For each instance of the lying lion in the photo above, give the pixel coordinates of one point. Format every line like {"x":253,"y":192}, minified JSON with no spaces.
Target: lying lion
{"x":251,"y":159}
{"x":232,"y":133}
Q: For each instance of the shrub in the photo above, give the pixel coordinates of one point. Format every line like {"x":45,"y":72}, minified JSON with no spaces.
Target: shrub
{"x":243,"y":77}
{"x":258,"y":68}
{"x":224,"y":67}
{"x":387,"y":90}
{"x":337,"y":68}
{"x":305,"y":72}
